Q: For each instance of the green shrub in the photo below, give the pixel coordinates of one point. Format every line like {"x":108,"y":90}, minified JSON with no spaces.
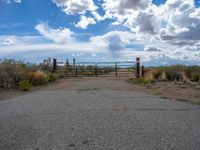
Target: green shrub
{"x":179,"y":71}
{"x":195,"y":77}
{"x":170,"y":74}
{"x":51,"y":78}
{"x":191,"y":70}
{"x":25,"y":85}
{"x":46,"y":64}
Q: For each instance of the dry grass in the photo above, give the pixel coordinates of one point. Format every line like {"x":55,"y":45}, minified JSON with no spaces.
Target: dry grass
{"x":37,"y":78}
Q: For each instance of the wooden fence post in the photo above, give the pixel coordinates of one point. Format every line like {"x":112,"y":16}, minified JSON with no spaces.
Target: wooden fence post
{"x":96,"y":70}
{"x":74,"y":62}
{"x":74,"y":67}
{"x":116,"y":69}
{"x":67,"y":63}
{"x":54,"y":65}
{"x":76,"y":70}
{"x":138,"y":67}
{"x":142,"y":71}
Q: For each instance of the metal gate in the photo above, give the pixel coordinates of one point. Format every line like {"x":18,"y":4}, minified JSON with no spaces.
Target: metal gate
{"x":98,"y":69}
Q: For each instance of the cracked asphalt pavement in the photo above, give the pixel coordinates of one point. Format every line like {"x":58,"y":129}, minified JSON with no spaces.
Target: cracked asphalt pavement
{"x":92,"y":116}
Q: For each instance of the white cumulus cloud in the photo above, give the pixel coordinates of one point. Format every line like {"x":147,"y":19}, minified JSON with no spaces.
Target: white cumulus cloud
{"x":76,"y":6}
{"x":11,"y":1}
{"x":84,"y":22}
{"x":8,"y":42}
{"x":60,"y":35}
{"x":176,"y":22}
{"x":114,"y":40}
{"x":81,"y":7}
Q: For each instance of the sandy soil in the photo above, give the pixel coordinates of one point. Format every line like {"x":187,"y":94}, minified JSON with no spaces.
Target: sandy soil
{"x":6,"y":94}
{"x":170,"y":90}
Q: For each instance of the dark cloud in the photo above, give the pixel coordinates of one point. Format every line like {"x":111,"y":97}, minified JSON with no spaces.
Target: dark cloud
{"x":115,"y":43}
{"x":146,"y":23}
{"x":133,"y":4}
{"x":185,"y":37}
{"x":152,"y":49}
{"x":193,"y":33}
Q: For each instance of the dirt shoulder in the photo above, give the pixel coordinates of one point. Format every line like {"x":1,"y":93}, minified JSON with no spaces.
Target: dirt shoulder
{"x":6,"y":94}
{"x":172,"y":90}
{"x":169,"y":90}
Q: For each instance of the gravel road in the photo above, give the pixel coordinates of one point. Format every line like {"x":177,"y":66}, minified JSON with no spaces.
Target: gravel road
{"x":97,"y":115}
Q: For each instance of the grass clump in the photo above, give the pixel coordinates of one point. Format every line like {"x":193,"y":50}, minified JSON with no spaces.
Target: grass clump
{"x":51,"y":78}
{"x":195,"y":77}
{"x":25,"y":85}
{"x":170,"y":74}
{"x":141,"y":80}
{"x":61,"y":75}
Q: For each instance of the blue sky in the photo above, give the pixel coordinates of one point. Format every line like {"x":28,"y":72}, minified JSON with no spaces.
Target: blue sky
{"x":161,"y":32}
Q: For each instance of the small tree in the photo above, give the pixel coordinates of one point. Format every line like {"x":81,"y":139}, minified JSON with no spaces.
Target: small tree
{"x":46,"y":64}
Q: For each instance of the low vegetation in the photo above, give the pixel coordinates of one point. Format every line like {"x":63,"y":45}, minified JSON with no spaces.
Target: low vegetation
{"x":178,"y":82}
{"x":25,"y":85}
{"x":51,"y":78}
{"x":11,"y":73}
{"x":17,"y":74}
{"x":176,"y":73}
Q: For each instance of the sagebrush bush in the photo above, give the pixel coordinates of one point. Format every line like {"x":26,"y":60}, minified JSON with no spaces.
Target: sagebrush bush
{"x":11,"y":73}
{"x":51,"y":78}
{"x":37,"y":78}
{"x":195,"y":77}
{"x":157,"y":74}
{"x":180,"y":72}
{"x":173,"y":73}
{"x":170,"y":74}
{"x":25,"y":85}
{"x":190,"y":70}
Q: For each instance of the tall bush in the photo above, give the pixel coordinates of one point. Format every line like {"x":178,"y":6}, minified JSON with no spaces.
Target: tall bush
{"x":37,"y":78}
{"x":11,"y":73}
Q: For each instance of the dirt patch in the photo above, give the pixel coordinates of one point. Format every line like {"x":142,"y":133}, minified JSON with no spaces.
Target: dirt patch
{"x":75,"y":84}
{"x":7,"y":94}
{"x":57,"y":85}
{"x":171,"y":90}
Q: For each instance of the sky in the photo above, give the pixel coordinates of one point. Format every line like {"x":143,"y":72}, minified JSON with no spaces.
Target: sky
{"x":160,"y":32}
